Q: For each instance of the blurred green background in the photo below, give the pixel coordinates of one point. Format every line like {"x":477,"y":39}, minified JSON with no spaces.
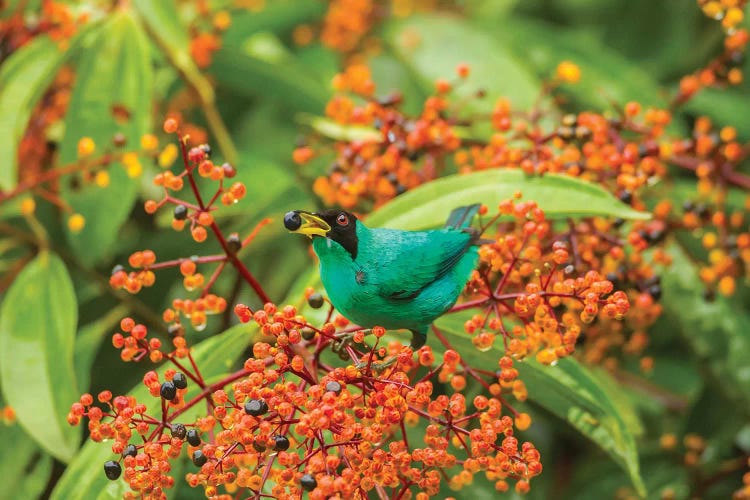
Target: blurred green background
{"x":252,"y":101}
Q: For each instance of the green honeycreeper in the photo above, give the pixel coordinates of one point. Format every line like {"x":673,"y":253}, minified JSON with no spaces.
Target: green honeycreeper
{"x":388,"y":277}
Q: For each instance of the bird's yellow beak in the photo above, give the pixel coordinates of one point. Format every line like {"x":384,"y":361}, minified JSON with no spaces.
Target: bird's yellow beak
{"x":306,"y":223}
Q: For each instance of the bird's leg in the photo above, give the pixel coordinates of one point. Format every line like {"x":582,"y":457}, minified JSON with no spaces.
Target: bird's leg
{"x":377,"y":366}
{"x":418,"y":338}
{"x":343,"y":339}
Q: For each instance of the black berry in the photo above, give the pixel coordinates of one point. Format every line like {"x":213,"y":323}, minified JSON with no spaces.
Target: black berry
{"x":308,"y":482}
{"x":280,"y":443}
{"x":292,"y":221}
{"x":256,"y":407}
{"x":193,"y":438}
{"x":315,"y":300}
{"x":333,"y":386}
{"x":179,"y":380}
{"x":112,"y":470}
{"x":180,"y":212}
{"x":233,"y":243}
{"x":179,"y":431}
{"x":199,"y":458}
{"x":168,"y":391}
{"x":129,"y":451}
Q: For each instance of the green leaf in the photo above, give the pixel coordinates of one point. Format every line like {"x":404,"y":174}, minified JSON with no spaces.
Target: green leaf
{"x":278,"y":16}
{"x":24,"y":77}
{"x":24,"y":467}
{"x":286,"y":79}
{"x":717,"y":332}
{"x":569,"y":391}
{"x":432,"y":46}
{"x":606,"y":76}
{"x":334,"y":130}
{"x":87,"y":344}
{"x":114,"y":72}
{"x":84,"y":478}
{"x":37,"y":331}
{"x":163,"y":21}
{"x":559,"y":196}
{"x":721,"y":106}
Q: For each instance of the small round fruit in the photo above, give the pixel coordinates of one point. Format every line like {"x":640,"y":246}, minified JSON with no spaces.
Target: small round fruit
{"x":256,"y":407}
{"x":112,"y":470}
{"x":180,"y":380}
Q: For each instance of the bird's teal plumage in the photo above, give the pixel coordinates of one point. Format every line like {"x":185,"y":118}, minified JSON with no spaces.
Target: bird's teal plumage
{"x":399,"y":279}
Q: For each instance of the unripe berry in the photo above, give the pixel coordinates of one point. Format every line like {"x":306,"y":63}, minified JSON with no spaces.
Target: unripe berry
{"x":170,"y":125}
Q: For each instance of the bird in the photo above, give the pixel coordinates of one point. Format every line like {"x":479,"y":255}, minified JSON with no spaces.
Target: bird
{"x":391,"y":278}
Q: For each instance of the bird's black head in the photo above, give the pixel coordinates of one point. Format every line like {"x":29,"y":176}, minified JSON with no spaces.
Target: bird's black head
{"x":338,"y":225}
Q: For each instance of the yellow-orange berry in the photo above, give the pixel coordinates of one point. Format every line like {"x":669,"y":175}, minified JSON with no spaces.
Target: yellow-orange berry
{"x":149,"y":142}
{"x":101,"y":178}
{"x":86,"y":147}
{"x":76,"y":223}
{"x":523,"y":421}
{"x":28,"y":205}
{"x":170,"y":125}
{"x":568,"y":72}
{"x":199,"y":234}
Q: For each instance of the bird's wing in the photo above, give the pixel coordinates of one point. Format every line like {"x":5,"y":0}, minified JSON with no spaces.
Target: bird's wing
{"x":407,"y":262}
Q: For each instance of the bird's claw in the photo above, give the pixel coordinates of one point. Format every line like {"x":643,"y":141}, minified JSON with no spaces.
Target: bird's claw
{"x":377,"y":366}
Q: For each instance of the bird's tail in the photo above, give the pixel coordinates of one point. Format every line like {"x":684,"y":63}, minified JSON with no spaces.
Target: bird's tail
{"x":460,"y":217}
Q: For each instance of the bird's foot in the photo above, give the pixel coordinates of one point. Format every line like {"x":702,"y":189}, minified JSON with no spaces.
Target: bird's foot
{"x":418,"y":339}
{"x":377,"y":366}
{"x":343,"y":339}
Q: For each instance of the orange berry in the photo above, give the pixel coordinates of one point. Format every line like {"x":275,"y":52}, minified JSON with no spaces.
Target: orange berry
{"x":187,"y":267}
{"x":86,"y":147}
{"x":205,"y":219}
{"x":199,"y":234}
{"x":170,"y":125}
{"x":76,"y":222}
{"x":568,"y":72}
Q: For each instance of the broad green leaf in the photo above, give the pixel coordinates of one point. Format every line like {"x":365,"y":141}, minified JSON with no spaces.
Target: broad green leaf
{"x":334,"y":130}
{"x":718,"y":332}
{"x":163,"y":21}
{"x":568,"y":390}
{"x":606,"y":76}
{"x":286,"y":80}
{"x":721,"y":105}
{"x":114,"y":73}
{"x":87,"y":343}
{"x":278,"y":16}
{"x":25,"y":467}
{"x":432,"y":46}
{"x":594,"y":479}
{"x":559,"y":196}
{"x":37,"y":332}
{"x":84,"y":478}
{"x":24,"y":77}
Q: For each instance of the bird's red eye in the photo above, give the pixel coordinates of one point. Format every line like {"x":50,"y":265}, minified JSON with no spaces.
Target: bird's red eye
{"x":342,"y":220}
